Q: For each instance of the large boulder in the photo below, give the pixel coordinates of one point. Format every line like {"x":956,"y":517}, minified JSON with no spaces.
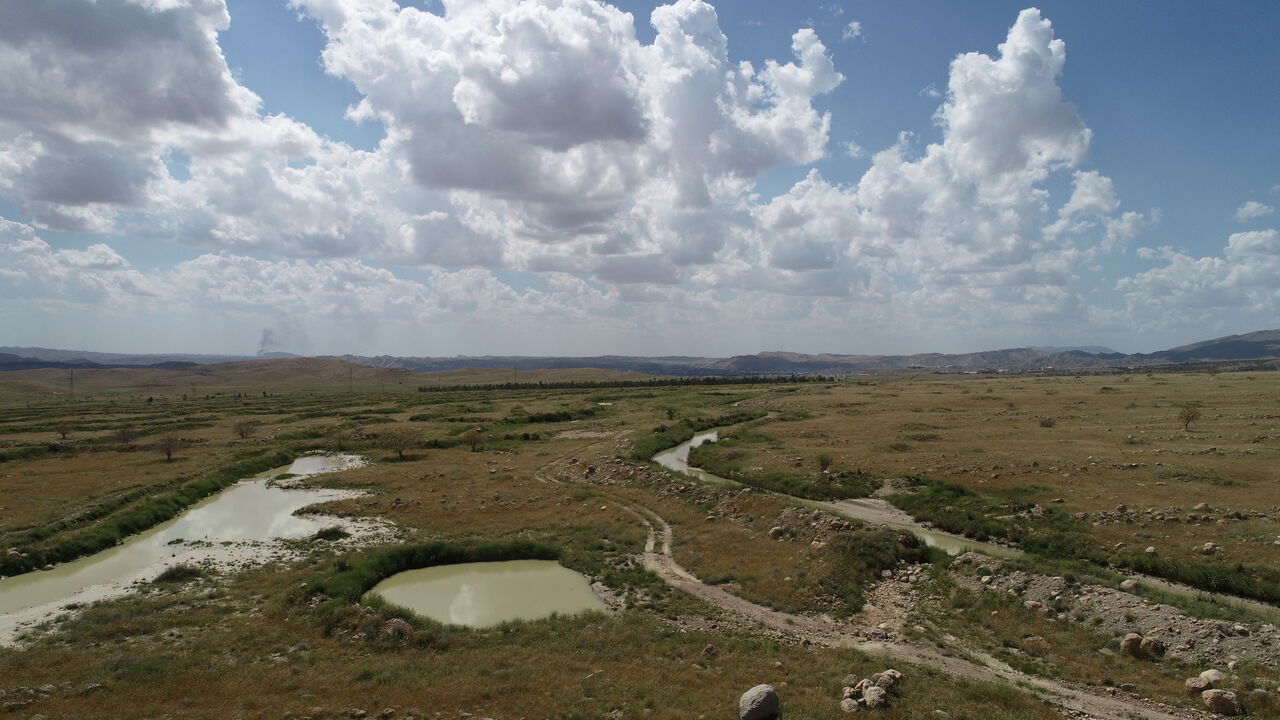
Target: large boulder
{"x":1151,"y":647}
{"x":759,"y":703}
{"x":889,"y":680}
{"x":1222,"y":702}
{"x":874,"y":697}
{"x":1131,"y":645}
{"x":850,"y":705}
{"x":1197,"y":685}
{"x":1213,"y":676}
{"x":1036,"y":644}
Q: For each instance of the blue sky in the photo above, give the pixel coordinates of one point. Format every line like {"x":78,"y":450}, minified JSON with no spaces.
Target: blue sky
{"x":553,"y":178}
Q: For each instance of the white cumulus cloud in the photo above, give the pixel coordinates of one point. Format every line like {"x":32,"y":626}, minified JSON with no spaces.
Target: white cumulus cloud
{"x":1253,"y":210}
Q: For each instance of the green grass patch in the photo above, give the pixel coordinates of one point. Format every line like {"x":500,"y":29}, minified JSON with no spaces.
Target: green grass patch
{"x":727,"y":458}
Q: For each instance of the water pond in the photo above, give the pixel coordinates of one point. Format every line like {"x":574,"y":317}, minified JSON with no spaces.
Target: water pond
{"x":480,"y":595}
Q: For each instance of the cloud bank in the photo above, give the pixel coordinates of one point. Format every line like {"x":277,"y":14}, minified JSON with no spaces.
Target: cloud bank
{"x":541,"y":140}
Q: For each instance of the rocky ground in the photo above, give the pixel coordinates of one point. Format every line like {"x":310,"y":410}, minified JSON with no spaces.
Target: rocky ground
{"x":1122,"y":612}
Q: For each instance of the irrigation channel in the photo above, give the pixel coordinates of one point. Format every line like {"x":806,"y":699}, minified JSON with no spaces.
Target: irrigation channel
{"x":231,"y":525}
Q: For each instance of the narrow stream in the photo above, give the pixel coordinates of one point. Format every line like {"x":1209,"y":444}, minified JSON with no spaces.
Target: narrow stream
{"x":881,"y":512}
{"x":871,"y":510}
{"x":250,"y":511}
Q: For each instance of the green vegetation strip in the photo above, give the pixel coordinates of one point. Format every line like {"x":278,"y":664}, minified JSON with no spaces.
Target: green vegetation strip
{"x":150,"y":512}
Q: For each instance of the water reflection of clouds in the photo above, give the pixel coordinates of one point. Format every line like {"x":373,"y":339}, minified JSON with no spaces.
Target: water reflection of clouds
{"x":677,"y":458}
{"x":250,"y":511}
{"x":317,"y":464}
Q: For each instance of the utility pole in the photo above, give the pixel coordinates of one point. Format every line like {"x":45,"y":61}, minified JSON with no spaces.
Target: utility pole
{"x":348,"y":379}
{"x":72,"y":374}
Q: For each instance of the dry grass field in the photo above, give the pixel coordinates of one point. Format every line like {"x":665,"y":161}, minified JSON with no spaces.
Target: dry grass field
{"x":555,"y":466}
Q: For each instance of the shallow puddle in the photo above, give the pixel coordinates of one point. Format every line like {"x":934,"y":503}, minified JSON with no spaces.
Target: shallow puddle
{"x":247,"y":512}
{"x":481,"y":595}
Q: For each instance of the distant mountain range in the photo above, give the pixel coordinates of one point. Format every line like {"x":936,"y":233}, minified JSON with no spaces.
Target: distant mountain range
{"x":1259,"y":345}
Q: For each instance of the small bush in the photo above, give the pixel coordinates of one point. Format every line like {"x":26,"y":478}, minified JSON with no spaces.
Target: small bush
{"x":331,"y":533}
{"x":824,"y":461}
{"x":179,"y":574}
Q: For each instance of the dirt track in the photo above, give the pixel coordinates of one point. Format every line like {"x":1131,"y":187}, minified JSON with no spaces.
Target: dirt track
{"x":658,"y":558}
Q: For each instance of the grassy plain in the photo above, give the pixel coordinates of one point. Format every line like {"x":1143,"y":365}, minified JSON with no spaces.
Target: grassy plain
{"x":254,"y":644}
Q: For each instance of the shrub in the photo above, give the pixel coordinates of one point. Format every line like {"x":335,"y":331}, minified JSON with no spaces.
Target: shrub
{"x":331,"y":533}
{"x":824,"y":461}
{"x":1187,"y":415}
{"x":179,"y":574}
{"x":244,"y":429}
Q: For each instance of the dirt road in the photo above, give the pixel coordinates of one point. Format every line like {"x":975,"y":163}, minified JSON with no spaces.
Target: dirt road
{"x":829,"y":633}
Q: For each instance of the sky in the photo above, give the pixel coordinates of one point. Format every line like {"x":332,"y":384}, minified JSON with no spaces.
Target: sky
{"x":568,"y":177}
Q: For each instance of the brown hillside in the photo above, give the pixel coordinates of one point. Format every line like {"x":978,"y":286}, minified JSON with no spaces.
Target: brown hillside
{"x":273,"y":375}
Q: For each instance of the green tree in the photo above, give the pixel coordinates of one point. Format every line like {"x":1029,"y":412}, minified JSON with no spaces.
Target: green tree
{"x":401,"y":440}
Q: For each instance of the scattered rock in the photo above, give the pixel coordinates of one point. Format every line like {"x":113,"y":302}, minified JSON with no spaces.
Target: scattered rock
{"x":888,"y":680}
{"x":870,"y":693}
{"x":759,"y":703}
{"x":1222,"y":702}
{"x":775,"y":532}
{"x":397,"y":628}
{"x":1128,"y":585}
